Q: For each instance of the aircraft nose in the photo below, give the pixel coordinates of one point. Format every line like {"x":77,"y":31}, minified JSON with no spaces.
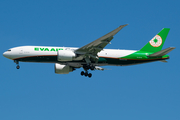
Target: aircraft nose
{"x":4,"y":54}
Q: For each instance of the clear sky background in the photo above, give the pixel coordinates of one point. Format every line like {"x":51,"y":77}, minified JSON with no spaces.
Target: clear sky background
{"x":141,"y":92}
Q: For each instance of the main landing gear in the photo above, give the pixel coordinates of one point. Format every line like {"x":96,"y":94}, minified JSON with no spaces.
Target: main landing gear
{"x":17,"y":63}
{"x":86,"y":68}
{"x":86,"y":74}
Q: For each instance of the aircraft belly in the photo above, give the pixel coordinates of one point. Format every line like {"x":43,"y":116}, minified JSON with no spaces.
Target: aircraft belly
{"x":126,"y":62}
{"x":50,"y":59}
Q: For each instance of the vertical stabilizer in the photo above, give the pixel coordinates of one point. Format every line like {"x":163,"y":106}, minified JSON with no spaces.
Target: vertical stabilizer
{"x":157,"y":42}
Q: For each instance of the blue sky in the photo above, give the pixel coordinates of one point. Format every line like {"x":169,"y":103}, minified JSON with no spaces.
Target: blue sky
{"x":140,"y":92}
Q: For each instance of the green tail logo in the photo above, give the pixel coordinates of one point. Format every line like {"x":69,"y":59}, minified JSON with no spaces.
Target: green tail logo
{"x":157,"y":42}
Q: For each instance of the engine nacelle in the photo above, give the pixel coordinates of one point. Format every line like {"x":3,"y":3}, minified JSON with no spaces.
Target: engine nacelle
{"x":65,"y":55}
{"x":62,"y":69}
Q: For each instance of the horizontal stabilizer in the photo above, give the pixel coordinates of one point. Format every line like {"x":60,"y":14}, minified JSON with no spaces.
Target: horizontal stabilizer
{"x":162,"y":52}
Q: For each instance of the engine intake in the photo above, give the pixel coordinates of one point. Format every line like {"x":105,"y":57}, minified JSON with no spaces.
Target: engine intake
{"x":62,"y":69}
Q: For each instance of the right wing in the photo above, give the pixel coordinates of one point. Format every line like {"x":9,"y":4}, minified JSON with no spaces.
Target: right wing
{"x":90,"y":50}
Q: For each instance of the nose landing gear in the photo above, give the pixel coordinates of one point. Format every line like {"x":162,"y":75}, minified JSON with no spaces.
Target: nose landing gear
{"x":17,"y":66}
{"x":17,"y":63}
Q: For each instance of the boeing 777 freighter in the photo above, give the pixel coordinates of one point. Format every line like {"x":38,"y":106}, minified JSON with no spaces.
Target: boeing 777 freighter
{"x":92,"y":55}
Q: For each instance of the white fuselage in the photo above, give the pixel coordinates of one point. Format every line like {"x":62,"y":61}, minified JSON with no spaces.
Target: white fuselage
{"x":29,"y":51}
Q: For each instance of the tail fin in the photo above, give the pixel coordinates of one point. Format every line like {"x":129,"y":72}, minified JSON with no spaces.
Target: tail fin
{"x":157,"y":42}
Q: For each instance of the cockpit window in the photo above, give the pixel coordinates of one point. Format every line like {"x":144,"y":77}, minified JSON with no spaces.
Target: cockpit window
{"x":8,"y":50}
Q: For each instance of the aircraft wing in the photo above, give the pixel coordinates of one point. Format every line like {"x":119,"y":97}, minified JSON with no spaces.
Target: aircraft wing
{"x":96,"y":46}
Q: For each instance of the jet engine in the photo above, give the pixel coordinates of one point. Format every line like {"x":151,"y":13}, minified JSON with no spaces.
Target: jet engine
{"x":65,"y":55}
{"x":62,"y":69}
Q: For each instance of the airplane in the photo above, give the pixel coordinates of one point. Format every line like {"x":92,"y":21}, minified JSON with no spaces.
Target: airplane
{"x":93,"y":55}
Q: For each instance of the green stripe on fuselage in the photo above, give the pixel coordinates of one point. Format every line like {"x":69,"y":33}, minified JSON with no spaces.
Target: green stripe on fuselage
{"x":141,"y":55}
{"x":137,"y":55}
{"x":134,"y":58}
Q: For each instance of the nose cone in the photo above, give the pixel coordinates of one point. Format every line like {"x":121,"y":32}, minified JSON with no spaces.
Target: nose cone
{"x":7,"y":55}
{"x":4,"y":54}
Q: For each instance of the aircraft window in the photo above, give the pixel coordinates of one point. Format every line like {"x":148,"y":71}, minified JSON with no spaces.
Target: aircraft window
{"x":8,"y":50}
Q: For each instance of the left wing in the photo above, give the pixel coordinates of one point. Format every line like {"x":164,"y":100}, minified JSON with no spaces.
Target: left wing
{"x":90,"y":50}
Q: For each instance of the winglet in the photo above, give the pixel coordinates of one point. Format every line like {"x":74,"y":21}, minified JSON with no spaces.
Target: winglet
{"x":112,"y":33}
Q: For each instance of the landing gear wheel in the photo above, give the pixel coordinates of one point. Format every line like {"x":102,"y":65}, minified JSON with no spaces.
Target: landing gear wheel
{"x":17,"y":63}
{"x":86,"y":74}
{"x":17,"y":66}
{"x":87,"y":67}
{"x":82,"y":73}
{"x":89,"y":75}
